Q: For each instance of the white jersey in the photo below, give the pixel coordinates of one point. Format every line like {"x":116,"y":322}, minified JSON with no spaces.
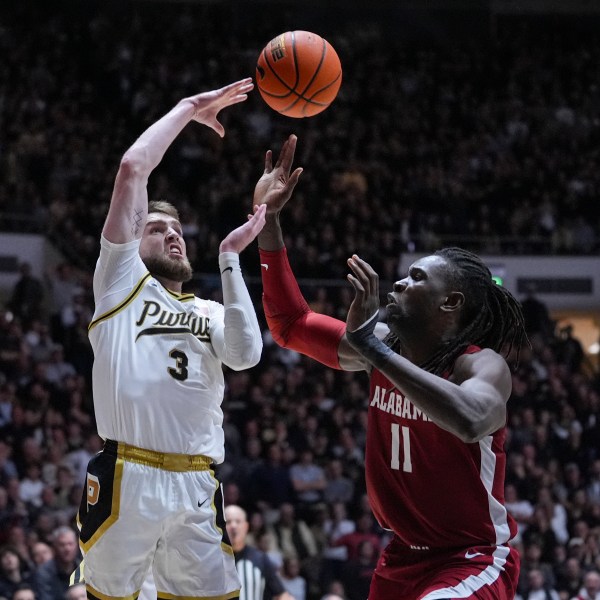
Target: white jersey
{"x":158,"y":382}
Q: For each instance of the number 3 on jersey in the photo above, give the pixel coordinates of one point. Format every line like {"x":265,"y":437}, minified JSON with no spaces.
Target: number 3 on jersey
{"x":180,"y":371}
{"x":406,"y":463}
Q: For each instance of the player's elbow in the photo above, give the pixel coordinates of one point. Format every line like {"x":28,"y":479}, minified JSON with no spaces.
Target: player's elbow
{"x":472,"y":430}
{"x":246,"y":360}
{"x":469,"y":434}
{"x":278,"y":329}
{"x":135,"y":163}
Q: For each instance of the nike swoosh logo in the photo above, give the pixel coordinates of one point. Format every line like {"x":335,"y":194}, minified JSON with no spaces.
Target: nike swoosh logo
{"x":473,"y":554}
{"x":200,"y":504}
{"x":227,"y":269}
{"x":265,"y":266}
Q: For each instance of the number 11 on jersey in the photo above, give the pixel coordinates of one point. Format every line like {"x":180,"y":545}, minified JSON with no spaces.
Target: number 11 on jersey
{"x":407,"y":463}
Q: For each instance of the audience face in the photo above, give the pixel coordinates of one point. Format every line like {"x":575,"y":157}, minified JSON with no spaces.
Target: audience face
{"x":237,"y":526}
{"x":41,"y":553}
{"x":535,"y":579}
{"x":65,"y":547}
{"x":76,"y":592}
{"x":9,"y":561}
{"x":591,"y":583}
{"x":27,"y":594}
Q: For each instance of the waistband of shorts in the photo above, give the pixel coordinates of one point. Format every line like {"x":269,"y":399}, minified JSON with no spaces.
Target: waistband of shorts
{"x":167,"y":461}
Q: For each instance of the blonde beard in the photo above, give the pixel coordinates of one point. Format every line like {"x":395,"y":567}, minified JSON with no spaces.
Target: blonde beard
{"x":172,"y":269}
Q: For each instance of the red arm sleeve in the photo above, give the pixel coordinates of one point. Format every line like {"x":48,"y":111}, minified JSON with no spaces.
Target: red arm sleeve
{"x":291,"y":321}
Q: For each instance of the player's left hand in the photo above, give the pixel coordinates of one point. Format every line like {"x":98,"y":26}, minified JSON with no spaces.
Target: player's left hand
{"x":277,"y":183}
{"x":365,"y":282}
{"x":209,"y":104}
{"x":239,"y":238}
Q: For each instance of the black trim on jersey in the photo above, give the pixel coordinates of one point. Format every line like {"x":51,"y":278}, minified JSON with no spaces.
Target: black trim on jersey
{"x":181,"y":297}
{"x":77,"y":575}
{"x":167,"y":330}
{"x":220,"y":516}
{"x":134,"y":292}
{"x":96,"y":518}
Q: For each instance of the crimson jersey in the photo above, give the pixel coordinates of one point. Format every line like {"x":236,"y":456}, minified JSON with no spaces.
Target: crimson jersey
{"x":419,"y":475}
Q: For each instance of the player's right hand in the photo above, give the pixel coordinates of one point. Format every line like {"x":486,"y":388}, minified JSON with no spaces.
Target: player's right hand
{"x":276,"y":185}
{"x":209,"y":104}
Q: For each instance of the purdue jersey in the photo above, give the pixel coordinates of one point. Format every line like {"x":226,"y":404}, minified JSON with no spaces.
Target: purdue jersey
{"x":419,"y":475}
{"x":158,"y":382}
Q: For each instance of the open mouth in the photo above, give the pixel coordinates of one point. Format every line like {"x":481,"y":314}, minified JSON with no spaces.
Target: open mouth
{"x":175,"y":251}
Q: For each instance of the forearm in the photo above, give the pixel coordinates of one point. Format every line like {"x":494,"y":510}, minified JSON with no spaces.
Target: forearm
{"x":147,"y":151}
{"x":271,"y":236}
{"x":291,"y":321}
{"x":242,"y":340}
{"x":444,"y":402}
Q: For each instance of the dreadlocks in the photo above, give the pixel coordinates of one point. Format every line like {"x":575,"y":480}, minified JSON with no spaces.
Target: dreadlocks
{"x":492,"y":316}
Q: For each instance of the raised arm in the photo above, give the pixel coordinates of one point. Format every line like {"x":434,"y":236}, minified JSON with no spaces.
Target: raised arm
{"x":471,"y":404}
{"x":239,"y":342}
{"x":291,"y":321}
{"x":129,"y":203}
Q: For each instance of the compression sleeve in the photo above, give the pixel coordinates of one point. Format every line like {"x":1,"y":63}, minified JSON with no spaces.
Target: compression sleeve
{"x":242,"y":340}
{"x":291,"y":321}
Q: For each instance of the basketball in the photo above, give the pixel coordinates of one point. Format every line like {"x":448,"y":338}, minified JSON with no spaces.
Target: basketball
{"x":298,"y":74}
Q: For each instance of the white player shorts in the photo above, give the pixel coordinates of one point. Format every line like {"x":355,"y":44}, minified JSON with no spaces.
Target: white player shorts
{"x":145,"y":510}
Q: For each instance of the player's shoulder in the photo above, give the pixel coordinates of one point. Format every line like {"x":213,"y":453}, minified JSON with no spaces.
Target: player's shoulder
{"x":480,"y":361}
{"x":208,"y":306}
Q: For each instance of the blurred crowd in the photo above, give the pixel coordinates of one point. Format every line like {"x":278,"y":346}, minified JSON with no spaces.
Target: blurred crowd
{"x":295,"y":435}
{"x":491,"y":145}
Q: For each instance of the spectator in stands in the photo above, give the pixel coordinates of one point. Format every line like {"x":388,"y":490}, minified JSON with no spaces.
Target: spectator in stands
{"x":41,"y":553}
{"x":51,"y":578}
{"x":24,"y":592}
{"x":364,"y":532}
{"x":357,"y":573}
{"x":531,"y":559}
{"x":76,"y":592}
{"x":591,"y":587}
{"x":292,"y":579}
{"x":57,"y":368}
{"x":569,"y":579}
{"x":293,"y":536}
{"x":538,"y":588}
{"x":62,"y":286}
{"x":27,"y":296}
{"x":339,"y":488}
{"x":273,"y":485}
{"x":308,"y":481}
{"x":13,"y":571}
{"x":521,"y":509}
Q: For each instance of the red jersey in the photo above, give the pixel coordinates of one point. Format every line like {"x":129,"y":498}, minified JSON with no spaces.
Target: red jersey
{"x":426,"y":485}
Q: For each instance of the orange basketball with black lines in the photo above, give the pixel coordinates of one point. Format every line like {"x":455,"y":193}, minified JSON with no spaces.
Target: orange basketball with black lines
{"x":298,"y":74}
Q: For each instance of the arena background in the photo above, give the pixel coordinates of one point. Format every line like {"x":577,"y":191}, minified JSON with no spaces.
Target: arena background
{"x":467,"y":123}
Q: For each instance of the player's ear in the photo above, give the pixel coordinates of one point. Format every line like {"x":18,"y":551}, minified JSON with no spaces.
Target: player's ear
{"x":453,"y":301}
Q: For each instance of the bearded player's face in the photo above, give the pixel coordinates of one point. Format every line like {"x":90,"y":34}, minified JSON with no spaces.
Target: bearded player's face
{"x":163,"y":248}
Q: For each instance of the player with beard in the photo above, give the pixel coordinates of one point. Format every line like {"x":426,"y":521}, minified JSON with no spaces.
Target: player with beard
{"x":435,"y":462}
{"x":151,"y":500}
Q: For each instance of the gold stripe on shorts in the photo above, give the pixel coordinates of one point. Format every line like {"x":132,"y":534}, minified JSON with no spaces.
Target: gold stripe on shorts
{"x":163,"y":460}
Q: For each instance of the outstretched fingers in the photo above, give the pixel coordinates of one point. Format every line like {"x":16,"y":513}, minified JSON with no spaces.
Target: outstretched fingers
{"x":286,"y":156}
{"x":268,"y":161}
{"x":237,"y":91}
{"x":363,"y":277}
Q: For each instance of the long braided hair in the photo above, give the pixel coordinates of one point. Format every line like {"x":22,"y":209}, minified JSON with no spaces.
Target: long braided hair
{"x":492,"y":317}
